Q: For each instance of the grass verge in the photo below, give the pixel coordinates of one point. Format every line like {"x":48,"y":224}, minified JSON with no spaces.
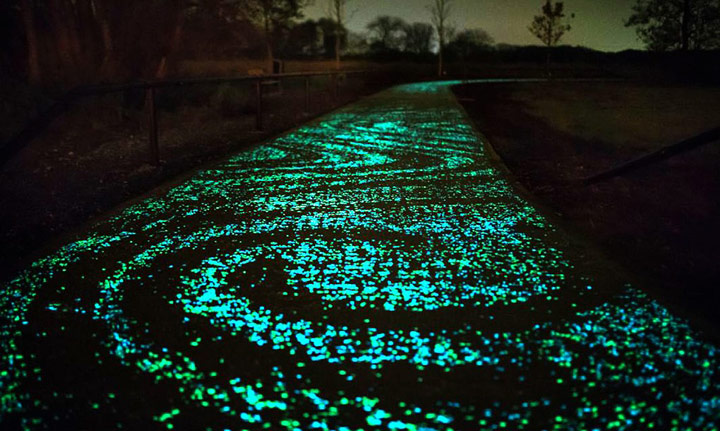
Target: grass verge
{"x":661,"y":222}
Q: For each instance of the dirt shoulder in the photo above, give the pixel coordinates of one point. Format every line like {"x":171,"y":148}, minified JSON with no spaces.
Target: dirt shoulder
{"x":662,"y":222}
{"x":95,"y":157}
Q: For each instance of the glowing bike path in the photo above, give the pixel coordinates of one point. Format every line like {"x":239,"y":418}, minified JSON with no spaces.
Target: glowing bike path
{"x":371,"y":270}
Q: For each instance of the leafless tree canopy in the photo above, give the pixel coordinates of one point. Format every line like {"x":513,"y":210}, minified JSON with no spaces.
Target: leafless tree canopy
{"x":273,"y":17}
{"x":418,"y":37}
{"x":337,"y":11}
{"x":73,"y":41}
{"x":440,"y":11}
{"x":550,"y":26}
{"x":387,"y":33}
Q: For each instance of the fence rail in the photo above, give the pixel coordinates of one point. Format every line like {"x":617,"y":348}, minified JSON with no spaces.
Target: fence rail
{"x":39,"y":123}
{"x":705,"y":138}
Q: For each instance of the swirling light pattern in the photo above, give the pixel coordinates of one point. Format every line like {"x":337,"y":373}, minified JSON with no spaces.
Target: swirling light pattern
{"x":371,"y":270}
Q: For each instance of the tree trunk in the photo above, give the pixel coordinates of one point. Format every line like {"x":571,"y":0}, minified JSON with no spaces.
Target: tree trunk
{"x":337,"y":48}
{"x":338,"y":30}
{"x":440,"y":62}
{"x":270,"y":57}
{"x":686,"y":25}
{"x":173,"y":44}
{"x":107,"y":41}
{"x":440,"y":52}
{"x":74,"y":34}
{"x":63,"y":40}
{"x":169,"y":50}
{"x":548,"y":61}
{"x":86,"y":31}
{"x":28,"y":16}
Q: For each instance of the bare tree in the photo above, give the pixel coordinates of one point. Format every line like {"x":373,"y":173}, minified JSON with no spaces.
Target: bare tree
{"x":306,"y":39}
{"x":67,"y":42}
{"x":386,"y":32}
{"x":173,"y":43}
{"x":103,"y":19}
{"x":440,"y":11}
{"x":28,"y":17}
{"x":273,"y":17}
{"x":418,"y":37}
{"x":550,"y":26}
{"x":337,"y":12}
{"x":62,"y":23}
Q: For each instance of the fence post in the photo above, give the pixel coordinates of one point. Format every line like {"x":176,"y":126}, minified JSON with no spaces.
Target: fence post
{"x":152,"y":125}
{"x":258,"y":100}
{"x":307,"y":94}
{"x":335,"y":87}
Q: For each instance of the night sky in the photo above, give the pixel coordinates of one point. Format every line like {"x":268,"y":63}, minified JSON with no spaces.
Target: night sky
{"x":598,"y":24}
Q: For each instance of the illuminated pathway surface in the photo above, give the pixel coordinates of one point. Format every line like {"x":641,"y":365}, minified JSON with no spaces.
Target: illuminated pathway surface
{"x":371,"y":270}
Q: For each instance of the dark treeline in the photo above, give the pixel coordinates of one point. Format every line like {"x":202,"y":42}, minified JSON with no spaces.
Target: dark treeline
{"x":89,"y":40}
{"x":74,"y":41}
{"x":61,"y":43}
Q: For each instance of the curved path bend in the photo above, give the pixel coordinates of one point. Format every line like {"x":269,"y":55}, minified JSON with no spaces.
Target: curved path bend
{"x":370,"y":270}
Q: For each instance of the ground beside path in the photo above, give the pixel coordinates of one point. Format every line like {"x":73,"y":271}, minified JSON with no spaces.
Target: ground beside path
{"x":662,"y":221}
{"x":373,"y":269}
{"x":95,"y":156}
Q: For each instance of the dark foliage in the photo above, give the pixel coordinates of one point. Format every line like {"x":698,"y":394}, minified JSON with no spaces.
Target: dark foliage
{"x":666,"y":25}
{"x":470,"y":44}
{"x":387,"y":34}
